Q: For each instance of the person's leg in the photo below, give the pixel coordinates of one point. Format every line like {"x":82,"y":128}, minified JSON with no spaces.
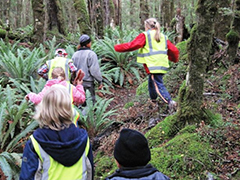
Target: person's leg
{"x":151,"y":89}
{"x":161,"y":90}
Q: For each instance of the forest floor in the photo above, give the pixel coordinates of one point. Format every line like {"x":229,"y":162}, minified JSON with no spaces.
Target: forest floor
{"x":143,"y":116}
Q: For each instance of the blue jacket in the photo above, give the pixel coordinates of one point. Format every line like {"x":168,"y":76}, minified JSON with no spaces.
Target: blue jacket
{"x":66,"y":146}
{"x":147,"y":172}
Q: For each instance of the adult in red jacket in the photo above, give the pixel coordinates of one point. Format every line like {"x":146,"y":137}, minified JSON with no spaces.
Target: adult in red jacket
{"x":154,"y":52}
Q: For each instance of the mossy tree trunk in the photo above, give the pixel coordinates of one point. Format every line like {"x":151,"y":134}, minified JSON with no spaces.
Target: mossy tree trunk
{"x":191,"y":108}
{"x":48,"y":17}
{"x":83,"y":16}
{"x":166,"y":13}
{"x":223,"y":23}
{"x":144,"y":12}
{"x":56,"y":22}
{"x":39,"y":20}
{"x":233,"y":36}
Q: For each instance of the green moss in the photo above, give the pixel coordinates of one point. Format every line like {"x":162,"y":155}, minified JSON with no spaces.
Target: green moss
{"x":212,"y":119}
{"x":142,"y":88}
{"x":162,"y":131}
{"x":184,"y":157}
{"x":188,"y":129}
{"x":232,"y":37}
{"x":104,"y":166}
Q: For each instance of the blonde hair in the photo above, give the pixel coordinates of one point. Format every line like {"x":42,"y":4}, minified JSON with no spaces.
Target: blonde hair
{"x":55,"y":109}
{"x":58,"y":73}
{"x":152,"y":23}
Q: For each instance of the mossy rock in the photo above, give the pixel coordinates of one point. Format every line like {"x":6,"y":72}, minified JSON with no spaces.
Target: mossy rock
{"x":184,"y":157}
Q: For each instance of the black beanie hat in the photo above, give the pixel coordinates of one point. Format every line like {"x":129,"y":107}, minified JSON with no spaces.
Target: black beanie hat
{"x":84,"y":40}
{"x":131,"y":149}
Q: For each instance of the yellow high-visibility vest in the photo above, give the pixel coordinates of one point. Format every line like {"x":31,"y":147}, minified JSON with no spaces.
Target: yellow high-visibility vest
{"x":49,"y":169}
{"x":154,"y":54}
{"x":59,"y":62}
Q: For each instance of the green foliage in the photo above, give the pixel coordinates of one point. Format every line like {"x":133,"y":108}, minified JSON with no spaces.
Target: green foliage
{"x":29,"y":86}
{"x":128,"y":105}
{"x":15,"y":123}
{"x":2,"y":33}
{"x":182,"y":47}
{"x":184,"y":157}
{"x":96,"y":116}
{"x":19,"y":63}
{"x":121,"y":66}
{"x":142,"y":88}
{"x":10,"y":164}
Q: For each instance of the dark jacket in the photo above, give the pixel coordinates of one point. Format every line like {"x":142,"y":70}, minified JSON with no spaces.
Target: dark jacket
{"x":147,"y":172}
{"x":66,"y":147}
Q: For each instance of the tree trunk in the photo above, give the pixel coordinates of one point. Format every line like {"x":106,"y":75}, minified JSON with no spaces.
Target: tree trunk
{"x":191,"y":108}
{"x":39,"y":20}
{"x":233,"y":36}
{"x":117,"y":17}
{"x":166,"y":16}
{"x":144,"y":12}
{"x":222,"y":25}
{"x":56,"y":21}
{"x":83,"y":16}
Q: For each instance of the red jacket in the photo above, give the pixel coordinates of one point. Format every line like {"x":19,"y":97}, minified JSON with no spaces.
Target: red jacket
{"x":139,"y":42}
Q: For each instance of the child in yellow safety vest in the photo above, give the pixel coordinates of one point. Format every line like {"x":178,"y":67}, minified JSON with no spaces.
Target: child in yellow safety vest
{"x":57,"y":150}
{"x":77,"y":92}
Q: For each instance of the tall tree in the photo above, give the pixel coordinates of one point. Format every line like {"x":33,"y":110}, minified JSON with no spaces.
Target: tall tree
{"x":166,"y":13}
{"x":233,"y":36}
{"x":144,"y":12}
{"x":83,"y":16}
{"x":56,"y":22}
{"x":48,"y":19}
{"x":191,"y":109}
{"x":222,"y":26}
{"x":39,"y":20}
{"x":118,"y":10}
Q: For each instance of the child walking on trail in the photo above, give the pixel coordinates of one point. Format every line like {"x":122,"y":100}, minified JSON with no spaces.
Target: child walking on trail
{"x":155,"y":51}
{"x":57,"y":149}
{"x":77,"y":92}
{"x":86,"y":60}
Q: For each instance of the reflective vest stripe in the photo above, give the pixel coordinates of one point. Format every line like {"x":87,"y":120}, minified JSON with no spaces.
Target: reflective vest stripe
{"x":158,"y":68}
{"x":52,"y":170}
{"x":151,"y":52}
